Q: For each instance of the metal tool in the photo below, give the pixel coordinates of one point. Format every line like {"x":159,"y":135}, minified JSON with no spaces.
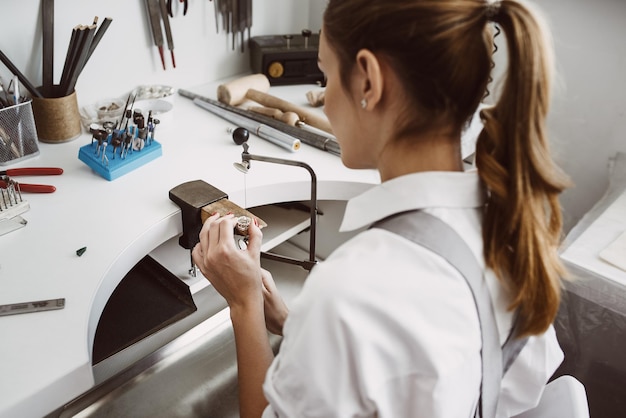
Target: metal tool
{"x":191,"y":197}
{"x":322,"y":142}
{"x":83,"y":42}
{"x":244,"y":167}
{"x":198,"y":200}
{"x":170,"y":10}
{"x":47,"y":11}
{"x":168,"y":29}
{"x":236,"y":16}
{"x":12,"y":205}
{"x":157,"y":12}
{"x":35,"y":306}
{"x":5,"y":101}
{"x":6,"y":179}
{"x":29,"y":86}
{"x":266,"y":132}
{"x":14,"y":90}
{"x":97,"y":38}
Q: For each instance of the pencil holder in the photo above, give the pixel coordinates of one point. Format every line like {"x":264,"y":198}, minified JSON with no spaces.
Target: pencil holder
{"x":18,"y":135}
{"x":57,"y":118}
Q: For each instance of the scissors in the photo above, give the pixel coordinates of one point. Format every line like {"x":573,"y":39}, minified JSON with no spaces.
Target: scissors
{"x":32,"y":171}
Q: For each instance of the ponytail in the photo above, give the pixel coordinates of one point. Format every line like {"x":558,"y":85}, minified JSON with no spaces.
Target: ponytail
{"x":522,"y":222}
{"x":441,"y":51}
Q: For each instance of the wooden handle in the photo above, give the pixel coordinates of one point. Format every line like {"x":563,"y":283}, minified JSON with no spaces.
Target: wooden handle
{"x":316,"y":98}
{"x":234,"y":93}
{"x":225,"y":206}
{"x":305,"y":115}
{"x":290,"y":118}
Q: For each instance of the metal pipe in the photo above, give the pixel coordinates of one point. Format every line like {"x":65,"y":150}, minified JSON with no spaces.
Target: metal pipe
{"x":273,"y":135}
{"x":324,"y":142}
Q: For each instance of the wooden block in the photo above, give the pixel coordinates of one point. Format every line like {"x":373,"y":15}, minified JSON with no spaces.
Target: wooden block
{"x":224,"y":206}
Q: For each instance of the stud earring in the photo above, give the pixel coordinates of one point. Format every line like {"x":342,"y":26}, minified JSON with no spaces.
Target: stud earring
{"x":363,"y":103}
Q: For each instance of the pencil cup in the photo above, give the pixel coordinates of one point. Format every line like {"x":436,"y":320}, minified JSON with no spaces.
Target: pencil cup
{"x":57,"y":118}
{"x":18,"y":135}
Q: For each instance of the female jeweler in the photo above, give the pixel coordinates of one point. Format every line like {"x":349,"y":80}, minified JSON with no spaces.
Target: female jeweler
{"x":384,"y":327}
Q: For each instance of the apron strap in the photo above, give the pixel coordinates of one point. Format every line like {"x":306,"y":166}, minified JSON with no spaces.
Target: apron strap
{"x":435,"y":235}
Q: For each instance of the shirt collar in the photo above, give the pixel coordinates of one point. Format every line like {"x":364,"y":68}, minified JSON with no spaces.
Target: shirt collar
{"x":431,"y":189}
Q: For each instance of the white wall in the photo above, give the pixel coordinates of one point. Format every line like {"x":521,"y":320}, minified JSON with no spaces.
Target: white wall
{"x":587,"y":123}
{"x":127,"y":57}
{"x":588,"y":119}
{"x":316,"y":10}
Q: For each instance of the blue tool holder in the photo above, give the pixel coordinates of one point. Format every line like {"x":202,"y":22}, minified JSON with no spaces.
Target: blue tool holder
{"x":116,"y":166}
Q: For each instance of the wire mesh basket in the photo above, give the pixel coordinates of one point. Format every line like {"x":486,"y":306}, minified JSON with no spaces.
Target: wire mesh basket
{"x":18,"y":134}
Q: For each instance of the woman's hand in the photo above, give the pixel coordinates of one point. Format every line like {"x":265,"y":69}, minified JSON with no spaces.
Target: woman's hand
{"x":275,"y":309}
{"x":236,"y":274}
{"x":233,"y":272}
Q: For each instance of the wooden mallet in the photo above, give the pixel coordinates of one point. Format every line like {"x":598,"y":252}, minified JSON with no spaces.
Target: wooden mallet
{"x":255,"y":87}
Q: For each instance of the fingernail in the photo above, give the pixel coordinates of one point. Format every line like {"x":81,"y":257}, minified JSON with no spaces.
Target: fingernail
{"x":229,"y":213}
{"x":256,"y":221}
{"x":215,"y":213}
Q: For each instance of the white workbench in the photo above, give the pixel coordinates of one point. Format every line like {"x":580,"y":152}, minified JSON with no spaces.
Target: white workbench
{"x":45,"y":356}
{"x":596,"y":279}
{"x":592,"y":320}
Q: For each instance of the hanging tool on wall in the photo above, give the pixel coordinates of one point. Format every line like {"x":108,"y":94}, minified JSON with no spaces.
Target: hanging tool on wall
{"x":171,"y":12}
{"x":236,"y":16}
{"x":157,"y":14}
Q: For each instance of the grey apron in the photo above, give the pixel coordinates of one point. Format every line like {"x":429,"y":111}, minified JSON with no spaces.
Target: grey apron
{"x":435,"y":235}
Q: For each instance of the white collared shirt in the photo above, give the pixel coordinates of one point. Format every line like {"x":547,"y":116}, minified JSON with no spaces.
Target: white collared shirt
{"x":384,"y":327}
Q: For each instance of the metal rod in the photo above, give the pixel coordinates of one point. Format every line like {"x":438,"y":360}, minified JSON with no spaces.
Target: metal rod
{"x":97,"y":38}
{"x":266,"y":132}
{"x":322,"y":142}
{"x":47,"y":9}
{"x":305,"y":264}
{"x":6,"y":61}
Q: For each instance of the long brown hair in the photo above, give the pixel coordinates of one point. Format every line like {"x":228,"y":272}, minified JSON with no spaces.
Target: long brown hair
{"x":442,"y":52}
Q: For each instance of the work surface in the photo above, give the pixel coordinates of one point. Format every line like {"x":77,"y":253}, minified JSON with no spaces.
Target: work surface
{"x":592,"y":322}
{"x":596,"y":278}
{"x":45,"y":356}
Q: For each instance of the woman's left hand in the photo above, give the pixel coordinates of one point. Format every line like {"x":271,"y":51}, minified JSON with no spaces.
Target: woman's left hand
{"x":235,"y":273}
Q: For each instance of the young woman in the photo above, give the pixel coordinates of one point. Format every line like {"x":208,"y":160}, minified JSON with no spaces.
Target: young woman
{"x":384,"y":327}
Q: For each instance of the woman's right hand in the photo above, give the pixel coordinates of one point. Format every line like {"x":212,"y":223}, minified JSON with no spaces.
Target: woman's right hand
{"x":275,"y":309}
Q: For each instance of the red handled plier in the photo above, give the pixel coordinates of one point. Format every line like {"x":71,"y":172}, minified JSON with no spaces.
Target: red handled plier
{"x":31,"y":171}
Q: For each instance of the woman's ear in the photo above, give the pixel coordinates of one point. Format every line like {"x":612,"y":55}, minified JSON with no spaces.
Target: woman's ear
{"x":370,"y":80}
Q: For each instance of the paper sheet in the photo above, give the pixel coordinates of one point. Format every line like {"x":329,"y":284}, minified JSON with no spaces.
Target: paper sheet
{"x":601,"y":234}
{"x":615,"y":253}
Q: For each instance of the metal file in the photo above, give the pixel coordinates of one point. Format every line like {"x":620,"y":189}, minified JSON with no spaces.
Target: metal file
{"x":35,"y":306}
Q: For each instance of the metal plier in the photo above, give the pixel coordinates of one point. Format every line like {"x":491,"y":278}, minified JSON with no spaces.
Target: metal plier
{"x":5,"y":178}
{"x":185,"y":6}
